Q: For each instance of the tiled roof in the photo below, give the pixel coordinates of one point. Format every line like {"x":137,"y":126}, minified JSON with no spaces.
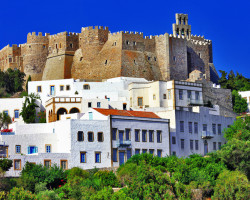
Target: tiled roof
{"x":126,"y":113}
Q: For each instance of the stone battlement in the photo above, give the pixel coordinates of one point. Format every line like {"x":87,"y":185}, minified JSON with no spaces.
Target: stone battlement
{"x":94,"y":28}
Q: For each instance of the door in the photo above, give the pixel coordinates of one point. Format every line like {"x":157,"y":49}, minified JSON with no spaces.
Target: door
{"x":52,"y":90}
{"x":205,"y":147}
{"x":121,"y":157}
{"x":121,"y":133}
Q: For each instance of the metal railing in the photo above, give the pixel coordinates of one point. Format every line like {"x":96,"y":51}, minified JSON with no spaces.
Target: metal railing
{"x":123,"y":143}
{"x":194,"y":102}
{"x":206,"y":135}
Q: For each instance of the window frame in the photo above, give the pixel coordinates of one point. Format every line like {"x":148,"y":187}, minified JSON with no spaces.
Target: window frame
{"x":78,"y":134}
{"x":92,"y":135}
{"x":182,"y":128}
{"x":129,"y":134}
{"x":47,"y":145}
{"x":47,"y":160}
{"x":114,"y":133}
{"x":66,"y":164}
{"x":85,"y":156}
{"x":68,"y":88}
{"x":190,"y":128}
{"x":180,"y":94}
{"x":61,"y":87}
{"x":115,"y":160}
{"x":144,"y":132}
{"x":138,"y":101}
{"x":38,"y":87}
{"x":20,"y":164}
{"x":15,"y":114}
{"x":98,"y":152}
{"x":18,"y":145}
{"x":159,"y":150}
{"x":102,"y":137}
{"x":173,"y":140}
{"x":159,"y":131}
{"x":151,"y":131}
{"x":182,"y":144}
{"x":138,"y":135}
{"x":137,"y":150}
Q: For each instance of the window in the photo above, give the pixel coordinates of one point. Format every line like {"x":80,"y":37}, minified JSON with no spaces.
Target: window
{"x":67,"y":87}
{"x":32,"y":149}
{"x":90,"y":136}
{"x":151,"y":136}
{"x":16,"y":113}
{"x":182,"y":144}
{"x":214,"y":145}
{"x":195,"y":127}
{"x":173,"y":140}
{"x":164,"y":96}
{"x":100,"y":137}
{"x":144,"y":150}
{"x":189,"y":94}
{"x":90,"y":116}
{"x":169,"y":94}
{"x":127,"y":131}
{"x":190,"y":126}
{"x":191,"y":144}
{"x":98,"y":157}
{"x":80,"y":136}
{"x":89,"y":104}
{"x":86,"y":87}
{"x":204,"y":127}
{"x":106,"y":62}
{"x":196,"y":144}
{"x":137,"y":135}
{"x":197,"y":96}
{"x":134,"y":43}
{"x":98,"y":104}
{"x":83,"y":157}
{"x":174,"y":58}
{"x":71,"y":45}
{"x":47,"y":163}
{"x":48,"y":148}
{"x":144,"y":136}
{"x":181,"y":126}
{"x":39,"y":88}
{"x":151,"y":151}
{"x":6,"y":112}
{"x":124,"y":106}
{"x":154,"y":97}
{"x":219,"y":145}
{"x":114,"y":155}
{"x":18,"y":148}
{"x":140,"y":101}
{"x":127,"y":42}
{"x":52,"y":90}
{"x":159,"y":137}
{"x":214,"y":128}
{"x":129,"y":153}
{"x":17,"y":164}
{"x":219,"y":129}
{"x":174,"y":153}
{"x":159,"y":152}
{"x":181,"y":94}
{"x":64,"y":164}
{"x":137,"y":151}
{"x":114,"y":130}
{"x":61,"y":87}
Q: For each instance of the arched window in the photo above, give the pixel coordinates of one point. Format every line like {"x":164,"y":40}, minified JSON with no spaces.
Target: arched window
{"x":184,"y":20}
{"x":182,"y":32}
{"x":177,"y":31}
{"x":86,"y":87}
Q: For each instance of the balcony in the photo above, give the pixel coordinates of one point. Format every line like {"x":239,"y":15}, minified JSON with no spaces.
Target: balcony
{"x":123,"y":143}
{"x":7,"y":133}
{"x":194,"y":102}
{"x":206,"y":135}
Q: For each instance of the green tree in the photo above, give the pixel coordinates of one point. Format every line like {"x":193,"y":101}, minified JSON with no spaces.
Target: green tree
{"x":239,"y":104}
{"x":29,"y":108}
{"x":41,"y":116}
{"x":231,"y":185}
{"x":27,"y":83}
{"x":4,"y":120}
{"x":5,"y":164}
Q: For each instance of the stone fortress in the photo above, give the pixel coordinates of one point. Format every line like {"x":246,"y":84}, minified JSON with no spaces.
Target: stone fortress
{"x":96,"y":54}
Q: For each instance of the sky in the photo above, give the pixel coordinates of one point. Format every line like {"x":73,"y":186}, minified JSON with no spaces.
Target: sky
{"x":226,"y":23}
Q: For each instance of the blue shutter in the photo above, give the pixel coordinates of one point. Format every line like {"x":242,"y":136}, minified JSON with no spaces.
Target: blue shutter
{"x":36,"y":149}
{"x":28,"y":150}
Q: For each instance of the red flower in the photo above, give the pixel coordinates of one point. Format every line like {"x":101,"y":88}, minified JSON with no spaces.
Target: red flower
{"x":60,"y":186}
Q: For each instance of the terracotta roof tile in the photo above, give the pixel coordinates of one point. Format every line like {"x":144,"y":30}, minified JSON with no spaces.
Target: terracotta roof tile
{"x":126,"y":113}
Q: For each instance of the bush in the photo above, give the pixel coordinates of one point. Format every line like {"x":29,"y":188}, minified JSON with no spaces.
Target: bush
{"x":76,"y":171}
{"x":6,"y":184}
{"x":126,"y":173}
{"x":108,"y":178}
{"x":5,"y":164}
{"x":20,"y":193}
{"x":39,"y":187}
{"x":47,"y":195}
{"x":232,"y":185}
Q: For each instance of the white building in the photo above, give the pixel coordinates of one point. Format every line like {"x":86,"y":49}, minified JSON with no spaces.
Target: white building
{"x":246,"y":95}
{"x":101,"y":138}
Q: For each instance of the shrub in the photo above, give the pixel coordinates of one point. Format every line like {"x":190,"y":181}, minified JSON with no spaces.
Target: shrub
{"x":47,"y":195}
{"x":76,"y":171}
{"x":232,"y":185}
{"x":126,"y":173}
{"x":20,"y":193}
{"x":39,"y":187}
{"x":6,"y":184}
{"x":5,"y":164}
{"x":108,"y":178}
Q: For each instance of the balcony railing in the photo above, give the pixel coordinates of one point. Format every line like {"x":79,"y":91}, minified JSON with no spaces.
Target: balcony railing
{"x":7,"y":133}
{"x":195,"y":102}
{"x":123,"y":143}
{"x":206,"y":135}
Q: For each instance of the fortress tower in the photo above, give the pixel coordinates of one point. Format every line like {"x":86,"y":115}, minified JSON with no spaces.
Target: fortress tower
{"x":181,"y":27}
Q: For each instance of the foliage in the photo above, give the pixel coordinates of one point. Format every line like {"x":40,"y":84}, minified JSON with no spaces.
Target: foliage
{"x":77,"y":172}
{"x":6,"y":184}
{"x":240,"y":129}
{"x":39,"y":187}
{"x":236,"y":155}
{"x":4,"y":120}
{"x":29,"y":108}
{"x":3,"y":195}
{"x":232,"y":185}
{"x":33,"y":174}
{"x":12,"y":80}
{"x":47,"y":195}
{"x":41,"y":117}
{"x":127,"y":173}
{"x":23,"y":94}
{"x":5,"y":164}
{"x":234,"y":82}
{"x":239,"y":103}
{"x":20,"y":193}
{"x":27,"y":83}
{"x":108,"y":178}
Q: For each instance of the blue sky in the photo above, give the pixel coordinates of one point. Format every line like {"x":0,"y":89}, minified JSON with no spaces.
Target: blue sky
{"x":226,"y":23}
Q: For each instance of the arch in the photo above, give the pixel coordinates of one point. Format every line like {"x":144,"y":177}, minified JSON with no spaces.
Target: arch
{"x":86,"y":87}
{"x":74,"y":110}
{"x":61,"y":111}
